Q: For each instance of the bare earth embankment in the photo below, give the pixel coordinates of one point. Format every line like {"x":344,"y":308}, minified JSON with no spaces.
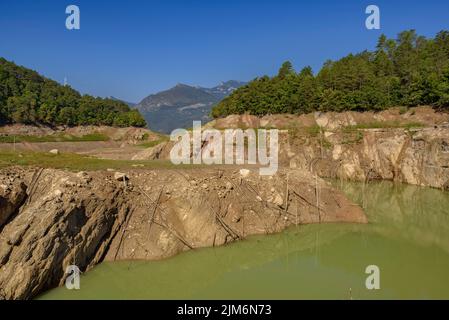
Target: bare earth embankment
{"x":403,"y":146}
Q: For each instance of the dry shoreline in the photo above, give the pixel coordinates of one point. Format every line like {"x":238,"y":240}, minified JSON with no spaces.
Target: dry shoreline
{"x":53,"y":218}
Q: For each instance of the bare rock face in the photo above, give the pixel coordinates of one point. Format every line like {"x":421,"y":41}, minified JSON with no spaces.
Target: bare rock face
{"x":12,"y":196}
{"x":63,"y":221}
{"x":82,"y":218}
{"x":182,"y":210}
{"x":419,"y":157}
{"x":120,"y":176}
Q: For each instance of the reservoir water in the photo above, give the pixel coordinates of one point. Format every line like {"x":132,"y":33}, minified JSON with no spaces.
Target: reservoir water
{"x":407,"y":238}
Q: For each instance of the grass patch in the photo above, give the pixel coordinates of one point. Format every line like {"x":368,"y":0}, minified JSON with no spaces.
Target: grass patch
{"x":383,"y":125}
{"x":76,"y":162}
{"x":313,"y":131}
{"x":150,"y":144}
{"x":353,"y":137}
{"x":326,"y":144}
{"x":53,"y":138}
{"x":295,"y":131}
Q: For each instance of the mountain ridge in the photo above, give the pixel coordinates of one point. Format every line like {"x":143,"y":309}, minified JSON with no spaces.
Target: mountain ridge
{"x":178,"y":106}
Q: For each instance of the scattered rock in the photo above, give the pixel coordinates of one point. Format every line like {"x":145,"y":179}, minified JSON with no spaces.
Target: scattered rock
{"x":278,"y":200}
{"x":84,"y":176}
{"x":120,"y":176}
{"x":244,"y":173}
{"x":58,"y":193}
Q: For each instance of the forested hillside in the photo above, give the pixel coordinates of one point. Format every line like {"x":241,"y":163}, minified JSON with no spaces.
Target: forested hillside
{"x":408,"y":71}
{"x":26,"y":97}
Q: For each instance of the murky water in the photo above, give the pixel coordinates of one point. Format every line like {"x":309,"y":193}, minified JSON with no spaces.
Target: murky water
{"x":407,"y":238}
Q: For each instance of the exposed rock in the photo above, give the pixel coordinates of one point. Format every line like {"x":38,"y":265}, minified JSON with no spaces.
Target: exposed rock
{"x":48,"y":235}
{"x":330,"y":121}
{"x":12,"y":196}
{"x":244,"y":172}
{"x":59,"y":225}
{"x":119,"y":176}
{"x":54,"y":151}
{"x":277,"y":200}
{"x":416,"y":156}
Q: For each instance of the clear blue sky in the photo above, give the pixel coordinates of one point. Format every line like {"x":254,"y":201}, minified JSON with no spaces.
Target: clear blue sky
{"x":129,"y":49}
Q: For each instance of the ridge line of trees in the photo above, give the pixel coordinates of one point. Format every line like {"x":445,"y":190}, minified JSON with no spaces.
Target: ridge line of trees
{"x":29,"y":98}
{"x":410,"y":70}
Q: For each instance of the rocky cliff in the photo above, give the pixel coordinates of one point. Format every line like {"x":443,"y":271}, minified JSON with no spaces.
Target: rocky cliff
{"x":419,"y":157}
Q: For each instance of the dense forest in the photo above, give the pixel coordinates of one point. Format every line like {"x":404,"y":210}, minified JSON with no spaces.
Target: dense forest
{"x":26,"y":97}
{"x":408,"y":71}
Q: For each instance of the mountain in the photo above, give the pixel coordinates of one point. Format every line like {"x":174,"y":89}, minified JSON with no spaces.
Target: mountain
{"x":179,"y":106}
{"x":224,"y":89}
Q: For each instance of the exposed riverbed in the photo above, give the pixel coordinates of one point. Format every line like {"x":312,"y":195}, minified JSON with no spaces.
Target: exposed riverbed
{"x":407,"y":237}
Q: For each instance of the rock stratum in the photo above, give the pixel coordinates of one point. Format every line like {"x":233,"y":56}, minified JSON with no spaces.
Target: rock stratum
{"x":50,"y":219}
{"x":411,"y":147}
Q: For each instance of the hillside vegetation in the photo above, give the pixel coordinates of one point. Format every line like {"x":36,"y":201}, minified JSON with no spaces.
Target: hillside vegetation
{"x":408,"y":71}
{"x":27,"y":97}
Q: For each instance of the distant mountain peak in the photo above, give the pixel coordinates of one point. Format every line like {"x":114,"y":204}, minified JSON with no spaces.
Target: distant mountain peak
{"x":178,"y":106}
{"x":182,"y":85}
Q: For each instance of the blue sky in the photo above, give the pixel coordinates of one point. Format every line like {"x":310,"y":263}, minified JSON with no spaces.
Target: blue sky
{"x":129,"y":49}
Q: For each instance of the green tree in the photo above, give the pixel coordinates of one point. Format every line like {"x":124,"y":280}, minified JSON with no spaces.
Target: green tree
{"x":27,"y":97}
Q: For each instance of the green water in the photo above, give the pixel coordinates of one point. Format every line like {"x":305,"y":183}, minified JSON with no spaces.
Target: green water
{"x":407,"y":238}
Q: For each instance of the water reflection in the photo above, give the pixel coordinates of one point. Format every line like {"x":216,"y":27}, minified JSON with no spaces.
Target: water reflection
{"x":407,"y":237}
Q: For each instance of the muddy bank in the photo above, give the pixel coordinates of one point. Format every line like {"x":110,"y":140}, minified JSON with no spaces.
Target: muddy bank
{"x":52,"y":218}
